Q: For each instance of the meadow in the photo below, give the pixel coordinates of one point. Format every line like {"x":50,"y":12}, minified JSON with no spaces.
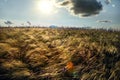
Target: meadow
{"x":59,"y":54}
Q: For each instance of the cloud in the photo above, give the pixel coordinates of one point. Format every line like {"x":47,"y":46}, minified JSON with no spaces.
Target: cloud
{"x":29,"y":22}
{"x":8,"y":22}
{"x":65,"y":3}
{"x":107,"y":1}
{"x":83,"y":8}
{"x":113,"y":5}
{"x":104,"y":21}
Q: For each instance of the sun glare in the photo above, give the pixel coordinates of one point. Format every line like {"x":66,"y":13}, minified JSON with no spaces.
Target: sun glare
{"x":46,"y":6}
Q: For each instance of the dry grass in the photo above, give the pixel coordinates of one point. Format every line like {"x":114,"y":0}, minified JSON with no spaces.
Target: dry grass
{"x":42,"y":54}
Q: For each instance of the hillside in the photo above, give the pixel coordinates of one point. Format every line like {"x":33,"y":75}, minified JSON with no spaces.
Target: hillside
{"x":59,"y":54}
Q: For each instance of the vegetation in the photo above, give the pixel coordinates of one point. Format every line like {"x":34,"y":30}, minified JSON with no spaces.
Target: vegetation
{"x":46,"y":54}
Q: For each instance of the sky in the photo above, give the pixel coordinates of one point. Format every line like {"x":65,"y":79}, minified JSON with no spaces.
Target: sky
{"x":70,"y":13}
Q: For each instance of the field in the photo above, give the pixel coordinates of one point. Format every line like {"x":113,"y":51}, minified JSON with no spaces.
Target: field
{"x":59,"y":54}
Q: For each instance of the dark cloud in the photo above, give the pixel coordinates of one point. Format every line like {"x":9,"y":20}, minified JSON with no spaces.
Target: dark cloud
{"x":65,"y":3}
{"x":8,"y":22}
{"x":83,"y":8}
{"x":107,"y":1}
{"x":29,"y":23}
{"x":104,"y":21}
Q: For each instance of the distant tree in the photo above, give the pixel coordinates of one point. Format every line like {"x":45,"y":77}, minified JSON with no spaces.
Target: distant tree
{"x":53,"y":26}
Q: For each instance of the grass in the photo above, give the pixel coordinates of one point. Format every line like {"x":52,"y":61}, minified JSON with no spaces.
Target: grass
{"x":43,"y":53}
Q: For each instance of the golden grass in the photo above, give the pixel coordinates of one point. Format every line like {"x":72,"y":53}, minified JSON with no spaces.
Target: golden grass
{"x":43,"y":53}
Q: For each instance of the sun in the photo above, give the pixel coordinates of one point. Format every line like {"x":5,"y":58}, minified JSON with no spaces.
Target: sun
{"x":46,"y":6}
